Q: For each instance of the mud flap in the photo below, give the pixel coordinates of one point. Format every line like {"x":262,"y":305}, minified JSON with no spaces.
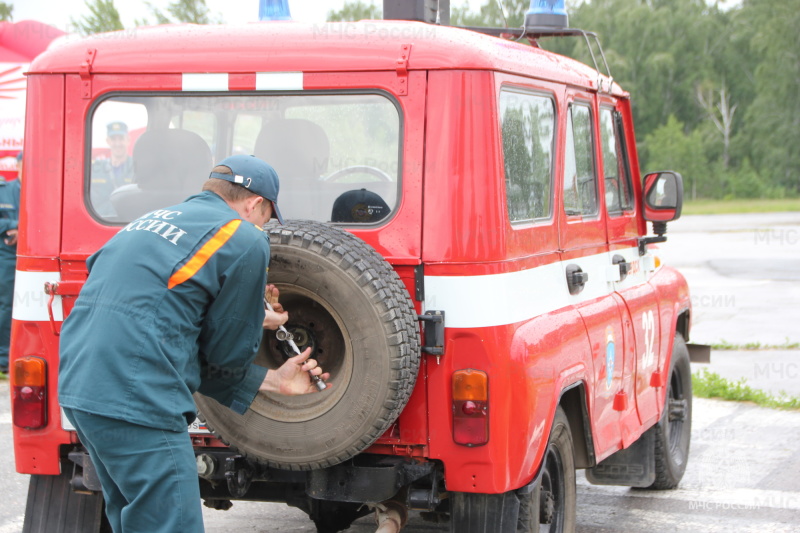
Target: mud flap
{"x":53,"y":507}
{"x":634,"y":466}
{"x":484,"y":513}
{"x":699,"y":353}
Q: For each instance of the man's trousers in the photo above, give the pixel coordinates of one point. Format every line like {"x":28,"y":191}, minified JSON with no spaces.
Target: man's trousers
{"x":149,"y":476}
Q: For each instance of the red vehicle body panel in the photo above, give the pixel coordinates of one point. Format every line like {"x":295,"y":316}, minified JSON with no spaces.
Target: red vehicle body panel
{"x":452,"y":220}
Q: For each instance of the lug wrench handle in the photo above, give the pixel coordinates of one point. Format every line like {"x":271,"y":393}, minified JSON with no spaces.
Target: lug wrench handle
{"x":285,"y":336}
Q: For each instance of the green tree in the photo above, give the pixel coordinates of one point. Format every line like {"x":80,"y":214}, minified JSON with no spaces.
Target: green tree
{"x":104,"y":17}
{"x":671,"y":148}
{"x":353,"y":11}
{"x":191,"y":11}
{"x":772,"y":122}
{"x":6,"y":12}
{"x":512,"y":14}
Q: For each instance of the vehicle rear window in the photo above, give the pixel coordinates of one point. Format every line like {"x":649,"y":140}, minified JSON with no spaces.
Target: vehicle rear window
{"x":528,"y":124}
{"x":337,"y":155}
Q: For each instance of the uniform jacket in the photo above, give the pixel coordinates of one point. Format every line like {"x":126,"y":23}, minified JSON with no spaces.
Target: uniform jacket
{"x":106,"y":178}
{"x":9,"y":213}
{"x":173,"y":304}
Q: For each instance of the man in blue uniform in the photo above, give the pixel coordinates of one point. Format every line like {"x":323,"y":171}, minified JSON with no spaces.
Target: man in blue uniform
{"x":112,"y":172}
{"x":173,"y":304}
{"x":9,"y":216}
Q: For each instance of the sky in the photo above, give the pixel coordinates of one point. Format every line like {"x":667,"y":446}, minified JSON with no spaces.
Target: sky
{"x":59,"y":12}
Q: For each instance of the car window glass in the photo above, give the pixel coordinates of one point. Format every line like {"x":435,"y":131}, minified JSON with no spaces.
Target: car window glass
{"x":528,"y":125}
{"x":617,"y":178}
{"x":337,"y":155}
{"x":580,"y":180}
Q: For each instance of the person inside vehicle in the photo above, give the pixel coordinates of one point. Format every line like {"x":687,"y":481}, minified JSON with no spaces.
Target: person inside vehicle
{"x":111,"y":172}
{"x":173,"y":305}
{"x":9,"y":217}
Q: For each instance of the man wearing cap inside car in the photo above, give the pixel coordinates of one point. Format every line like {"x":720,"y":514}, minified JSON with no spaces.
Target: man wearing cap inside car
{"x":112,"y":172}
{"x":173,"y":304}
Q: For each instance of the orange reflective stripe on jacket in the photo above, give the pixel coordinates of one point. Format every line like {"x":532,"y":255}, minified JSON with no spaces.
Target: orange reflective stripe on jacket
{"x":204,"y":254}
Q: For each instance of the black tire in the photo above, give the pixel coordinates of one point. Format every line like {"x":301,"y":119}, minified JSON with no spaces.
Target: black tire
{"x":551,"y":505}
{"x":349,"y":304}
{"x":673,"y":431}
{"x":53,"y":507}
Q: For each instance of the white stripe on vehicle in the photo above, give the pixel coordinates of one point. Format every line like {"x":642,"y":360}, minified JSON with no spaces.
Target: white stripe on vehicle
{"x":204,"y":81}
{"x":507,"y":298}
{"x":30,"y":300}
{"x":279,"y":81}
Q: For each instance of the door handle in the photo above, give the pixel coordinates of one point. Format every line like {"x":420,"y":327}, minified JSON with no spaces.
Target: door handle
{"x":576,"y":279}
{"x":624,"y":266}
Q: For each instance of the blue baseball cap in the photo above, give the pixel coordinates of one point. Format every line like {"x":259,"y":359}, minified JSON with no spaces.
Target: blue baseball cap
{"x":116,"y":128}
{"x":255,"y":175}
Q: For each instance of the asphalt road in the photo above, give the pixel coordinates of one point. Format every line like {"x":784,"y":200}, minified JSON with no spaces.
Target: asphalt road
{"x":744,"y":466}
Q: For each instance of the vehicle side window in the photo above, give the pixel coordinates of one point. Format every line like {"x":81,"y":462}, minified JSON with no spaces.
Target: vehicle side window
{"x":619,"y":195}
{"x":528,"y":126}
{"x":580,"y":179}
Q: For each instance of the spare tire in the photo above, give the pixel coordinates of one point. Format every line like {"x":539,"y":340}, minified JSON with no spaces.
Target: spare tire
{"x":351,"y":307}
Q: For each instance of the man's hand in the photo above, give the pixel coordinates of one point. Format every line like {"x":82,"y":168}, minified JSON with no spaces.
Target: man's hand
{"x":11,"y":237}
{"x":278,"y":316}
{"x":291,"y":378}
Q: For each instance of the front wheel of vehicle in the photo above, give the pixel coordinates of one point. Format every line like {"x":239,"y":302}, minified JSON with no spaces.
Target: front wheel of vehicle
{"x":673,"y":431}
{"x":550,"y":506}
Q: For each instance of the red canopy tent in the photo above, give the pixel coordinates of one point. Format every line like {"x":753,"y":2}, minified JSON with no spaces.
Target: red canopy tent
{"x":20,"y":42}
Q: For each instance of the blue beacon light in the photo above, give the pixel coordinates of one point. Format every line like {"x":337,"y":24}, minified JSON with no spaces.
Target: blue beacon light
{"x":548,"y":13}
{"x":274,"y":10}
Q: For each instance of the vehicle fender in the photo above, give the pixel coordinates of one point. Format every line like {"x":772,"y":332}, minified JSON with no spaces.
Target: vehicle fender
{"x":674,"y":304}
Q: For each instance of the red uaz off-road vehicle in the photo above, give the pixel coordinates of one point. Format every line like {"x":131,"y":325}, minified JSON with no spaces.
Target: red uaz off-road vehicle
{"x":467,"y":257}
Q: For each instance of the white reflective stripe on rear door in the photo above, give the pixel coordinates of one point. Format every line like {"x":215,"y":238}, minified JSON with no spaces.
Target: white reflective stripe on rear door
{"x":30,"y":300}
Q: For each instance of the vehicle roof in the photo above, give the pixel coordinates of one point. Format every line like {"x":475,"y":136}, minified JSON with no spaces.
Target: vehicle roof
{"x":293,"y":46}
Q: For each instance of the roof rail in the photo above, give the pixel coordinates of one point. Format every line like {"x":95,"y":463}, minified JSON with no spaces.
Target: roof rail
{"x":535,"y":33}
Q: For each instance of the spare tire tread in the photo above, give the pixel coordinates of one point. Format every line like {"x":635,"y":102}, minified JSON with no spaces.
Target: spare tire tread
{"x":384,"y":287}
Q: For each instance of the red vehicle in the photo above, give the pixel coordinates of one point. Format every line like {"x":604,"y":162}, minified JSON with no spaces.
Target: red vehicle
{"x":468,"y":258}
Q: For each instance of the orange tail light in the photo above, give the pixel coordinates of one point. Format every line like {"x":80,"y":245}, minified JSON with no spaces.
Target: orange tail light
{"x":470,"y":407}
{"x":29,"y":392}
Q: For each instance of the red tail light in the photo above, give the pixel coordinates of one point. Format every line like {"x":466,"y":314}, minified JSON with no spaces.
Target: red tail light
{"x":29,"y":392}
{"x":470,"y":407}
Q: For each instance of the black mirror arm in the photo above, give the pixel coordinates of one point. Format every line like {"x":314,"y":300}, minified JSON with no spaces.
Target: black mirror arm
{"x":644,"y":241}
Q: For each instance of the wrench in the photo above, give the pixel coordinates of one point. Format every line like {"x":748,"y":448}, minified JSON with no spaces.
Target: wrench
{"x":284,"y":335}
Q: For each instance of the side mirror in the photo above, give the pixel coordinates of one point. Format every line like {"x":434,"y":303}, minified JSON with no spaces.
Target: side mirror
{"x":663,"y":200}
{"x":663,"y":196}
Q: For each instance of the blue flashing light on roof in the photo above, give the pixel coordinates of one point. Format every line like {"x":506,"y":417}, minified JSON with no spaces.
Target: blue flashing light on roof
{"x":274,"y":10}
{"x":547,"y":13}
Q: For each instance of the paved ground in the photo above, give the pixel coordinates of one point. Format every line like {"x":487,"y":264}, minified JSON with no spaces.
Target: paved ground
{"x":744,"y":468}
{"x":742,"y":476}
{"x":744,"y":273}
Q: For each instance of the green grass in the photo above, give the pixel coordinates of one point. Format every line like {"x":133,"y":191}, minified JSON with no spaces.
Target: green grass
{"x":725,"y":345}
{"x":718,"y":207}
{"x":707,"y":384}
